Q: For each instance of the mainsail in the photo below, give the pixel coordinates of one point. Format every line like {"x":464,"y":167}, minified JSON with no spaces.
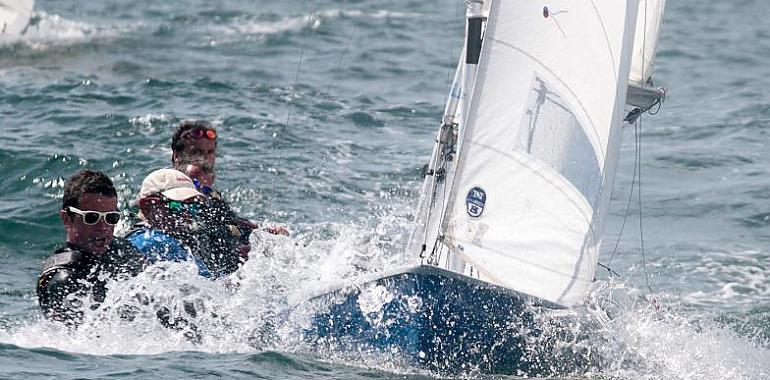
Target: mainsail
{"x":523,"y":203}
{"x":14,"y":16}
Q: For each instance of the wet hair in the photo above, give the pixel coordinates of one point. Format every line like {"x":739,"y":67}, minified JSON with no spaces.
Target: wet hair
{"x":177,"y":143}
{"x":87,"y":182}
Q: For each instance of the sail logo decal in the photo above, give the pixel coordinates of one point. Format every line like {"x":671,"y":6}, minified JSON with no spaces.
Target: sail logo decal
{"x":475,"y":201}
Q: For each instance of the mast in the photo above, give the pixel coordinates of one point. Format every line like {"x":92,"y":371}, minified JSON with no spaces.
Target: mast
{"x":473,"y":37}
{"x":424,"y":234}
{"x":427,"y":237}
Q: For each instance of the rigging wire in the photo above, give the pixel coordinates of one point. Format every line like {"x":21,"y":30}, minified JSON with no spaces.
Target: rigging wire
{"x":610,"y":270}
{"x":276,"y":151}
{"x":328,"y":88}
{"x":450,"y":181}
{"x":637,"y":175}
{"x":635,"y":182}
{"x":628,"y":204}
{"x":452,"y":42}
{"x":337,"y":68}
{"x":638,"y":134}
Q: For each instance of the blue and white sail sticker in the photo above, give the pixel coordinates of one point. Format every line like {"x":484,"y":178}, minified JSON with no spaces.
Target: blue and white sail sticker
{"x":475,"y":201}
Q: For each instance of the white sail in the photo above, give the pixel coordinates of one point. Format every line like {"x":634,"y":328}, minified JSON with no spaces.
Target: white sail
{"x":14,"y":16}
{"x":539,"y":145}
{"x":648,"y":20}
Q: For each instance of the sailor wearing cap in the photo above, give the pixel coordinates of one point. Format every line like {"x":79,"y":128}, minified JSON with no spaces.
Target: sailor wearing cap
{"x":169,"y":203}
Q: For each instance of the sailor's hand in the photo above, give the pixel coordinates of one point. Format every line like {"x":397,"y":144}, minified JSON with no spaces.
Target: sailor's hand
{"x":277,"y":230}
{"x":243,"y":252}
{"x":274,"y":230}
{"x":247,"y":225}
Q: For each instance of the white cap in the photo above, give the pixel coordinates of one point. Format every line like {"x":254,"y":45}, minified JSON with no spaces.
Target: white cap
{"x":171,"y":183}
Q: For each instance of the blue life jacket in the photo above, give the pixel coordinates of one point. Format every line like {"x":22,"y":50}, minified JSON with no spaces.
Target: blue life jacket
{"x":158,"y":246}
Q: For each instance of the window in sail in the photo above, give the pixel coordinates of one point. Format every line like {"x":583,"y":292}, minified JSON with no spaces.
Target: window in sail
{"x":551,"y":133}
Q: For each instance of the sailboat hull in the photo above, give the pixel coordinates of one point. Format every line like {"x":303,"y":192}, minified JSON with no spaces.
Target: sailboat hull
{"x":431,"y":318}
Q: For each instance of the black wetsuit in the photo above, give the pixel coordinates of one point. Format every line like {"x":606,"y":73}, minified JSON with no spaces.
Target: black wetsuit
{"x":222,"y":233}
{"x":70,"y":274}
{"x":218,"y":240}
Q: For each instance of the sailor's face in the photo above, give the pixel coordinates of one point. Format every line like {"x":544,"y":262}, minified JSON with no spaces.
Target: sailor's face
{"x":174,"y":216}
{"x":202,"y":151}
{"x":94,"y":238}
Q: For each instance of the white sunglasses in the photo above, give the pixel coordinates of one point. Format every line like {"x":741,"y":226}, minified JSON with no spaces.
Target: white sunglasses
{"x":92,"y":217}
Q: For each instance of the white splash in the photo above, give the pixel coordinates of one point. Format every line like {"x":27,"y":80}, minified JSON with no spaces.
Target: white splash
{"x":249,"y":26}
{"x":618,"y":334}
{"x":50,"y":30}
{"x":638,"y":337}
{"x":150,"y":120}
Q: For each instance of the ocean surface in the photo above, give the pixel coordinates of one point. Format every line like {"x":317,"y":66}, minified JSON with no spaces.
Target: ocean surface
{"x":326,"y":111}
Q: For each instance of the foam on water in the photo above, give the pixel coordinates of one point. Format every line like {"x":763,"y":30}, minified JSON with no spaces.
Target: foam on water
{"x":713,"y":280}
{"x":640,"y":337}
{"x":740,"y":278}
{"x":49,"y":30}
{"x":246,"y":25}
{"x":282,"y":272}
{"x":149,"y":120}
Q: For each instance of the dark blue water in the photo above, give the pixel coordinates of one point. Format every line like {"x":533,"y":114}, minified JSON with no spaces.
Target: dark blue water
{"x":326,"y":111}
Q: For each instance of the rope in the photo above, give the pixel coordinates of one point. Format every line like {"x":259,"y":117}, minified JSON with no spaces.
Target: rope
{"x":628,"y":202}
{"x":611,"y":272}
{"x":330,"y":84}
{"x":452,"y":41}
{"x":637,"y":175}
{"x":276,"y":151}
{"x":638,"y":134}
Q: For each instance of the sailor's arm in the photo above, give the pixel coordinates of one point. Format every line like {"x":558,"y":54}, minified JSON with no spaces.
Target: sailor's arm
{"x":56,"y":292}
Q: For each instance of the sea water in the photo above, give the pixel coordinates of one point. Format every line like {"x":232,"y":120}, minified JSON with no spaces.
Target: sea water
{"x":326,"y":110}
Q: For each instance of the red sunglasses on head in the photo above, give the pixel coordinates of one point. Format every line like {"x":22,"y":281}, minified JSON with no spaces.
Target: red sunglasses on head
{"x":199,"y":133}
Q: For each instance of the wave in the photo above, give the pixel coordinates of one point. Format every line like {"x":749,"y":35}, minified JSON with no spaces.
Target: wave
{"x":659,"y":343}
{"x":250,"y":25}
{"x":51,"y":30}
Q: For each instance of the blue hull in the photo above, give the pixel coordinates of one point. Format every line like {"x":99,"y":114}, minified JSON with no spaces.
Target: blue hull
{"x":431,"y":318}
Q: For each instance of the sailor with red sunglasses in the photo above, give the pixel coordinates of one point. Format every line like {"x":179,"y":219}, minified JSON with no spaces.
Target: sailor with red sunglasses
{"x":194,"y":141}
{"x":193,"y":147}
{"x":92,"y":255}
